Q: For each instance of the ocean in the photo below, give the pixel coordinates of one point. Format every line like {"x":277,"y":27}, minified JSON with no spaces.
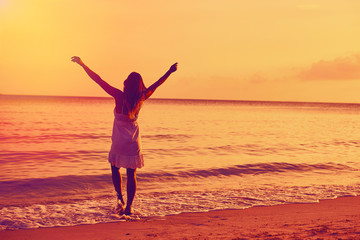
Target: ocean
{"x":200,"y":155}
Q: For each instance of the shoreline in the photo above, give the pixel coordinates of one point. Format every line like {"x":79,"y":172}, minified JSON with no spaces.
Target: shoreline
{"x":329,"y":219}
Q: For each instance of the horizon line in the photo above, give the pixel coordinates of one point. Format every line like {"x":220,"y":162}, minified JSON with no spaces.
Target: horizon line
{"x":186,"y":99}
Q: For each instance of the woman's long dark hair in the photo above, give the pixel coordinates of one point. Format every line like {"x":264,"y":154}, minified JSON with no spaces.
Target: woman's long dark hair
{"x":133,"y":91}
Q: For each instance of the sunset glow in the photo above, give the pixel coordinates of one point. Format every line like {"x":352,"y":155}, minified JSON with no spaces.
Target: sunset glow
{"x":238,"y":119}
{"x":242,"y":50}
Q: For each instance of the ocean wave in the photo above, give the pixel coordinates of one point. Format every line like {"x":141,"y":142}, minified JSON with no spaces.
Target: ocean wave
{"x":38,"y":156}
{"x":100,"y":209}
{"x":282,"y":149}
{"x":251,"y":169}
{"x":256,"y":149}
{"x":13,"y":192}
{"x":16,"y":138}
{"x":167,"y":137}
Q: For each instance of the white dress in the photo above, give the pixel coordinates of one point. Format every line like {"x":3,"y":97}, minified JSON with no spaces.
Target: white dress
{"x":126,"y":143}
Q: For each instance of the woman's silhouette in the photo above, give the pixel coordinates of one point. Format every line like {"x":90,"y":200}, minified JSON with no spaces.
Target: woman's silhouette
{"x":126,"y":146}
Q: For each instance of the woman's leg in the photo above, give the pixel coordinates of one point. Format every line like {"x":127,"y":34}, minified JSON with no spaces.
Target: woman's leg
{"x":117,"y":181}
{"x":131,"y":189}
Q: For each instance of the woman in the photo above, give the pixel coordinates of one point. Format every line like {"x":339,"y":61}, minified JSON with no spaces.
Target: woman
{"x":126,"y":147}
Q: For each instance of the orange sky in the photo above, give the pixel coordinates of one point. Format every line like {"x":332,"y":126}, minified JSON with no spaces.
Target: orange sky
{"x":288,"y":50}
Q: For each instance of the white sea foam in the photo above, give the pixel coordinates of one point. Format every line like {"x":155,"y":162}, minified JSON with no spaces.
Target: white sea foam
{"x":157,"y":204}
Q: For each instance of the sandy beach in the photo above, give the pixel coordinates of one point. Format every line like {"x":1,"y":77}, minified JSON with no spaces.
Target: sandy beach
{"x":328,"y":219}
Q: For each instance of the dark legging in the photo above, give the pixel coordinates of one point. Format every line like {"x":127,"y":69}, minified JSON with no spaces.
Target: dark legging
{"x":130,"y":186}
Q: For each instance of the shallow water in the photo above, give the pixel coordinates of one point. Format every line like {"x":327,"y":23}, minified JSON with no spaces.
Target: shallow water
{"x":199,"y":156}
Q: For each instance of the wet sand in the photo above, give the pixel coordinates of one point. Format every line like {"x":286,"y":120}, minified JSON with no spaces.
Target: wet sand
{"x":329,"y":219}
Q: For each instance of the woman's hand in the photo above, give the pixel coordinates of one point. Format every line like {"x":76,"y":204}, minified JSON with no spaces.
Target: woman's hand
{"x":173,"y":68}
{"x":77,"y":60}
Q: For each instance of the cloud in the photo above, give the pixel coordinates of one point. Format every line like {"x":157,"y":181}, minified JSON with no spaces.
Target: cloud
{"x":342,"y":68}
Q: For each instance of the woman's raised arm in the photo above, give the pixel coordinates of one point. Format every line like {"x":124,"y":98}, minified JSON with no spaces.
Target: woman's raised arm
{"x":154,"y":86}
{"x":104,"y":85}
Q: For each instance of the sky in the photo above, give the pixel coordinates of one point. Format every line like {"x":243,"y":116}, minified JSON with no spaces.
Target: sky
{"x":278,"y":50}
